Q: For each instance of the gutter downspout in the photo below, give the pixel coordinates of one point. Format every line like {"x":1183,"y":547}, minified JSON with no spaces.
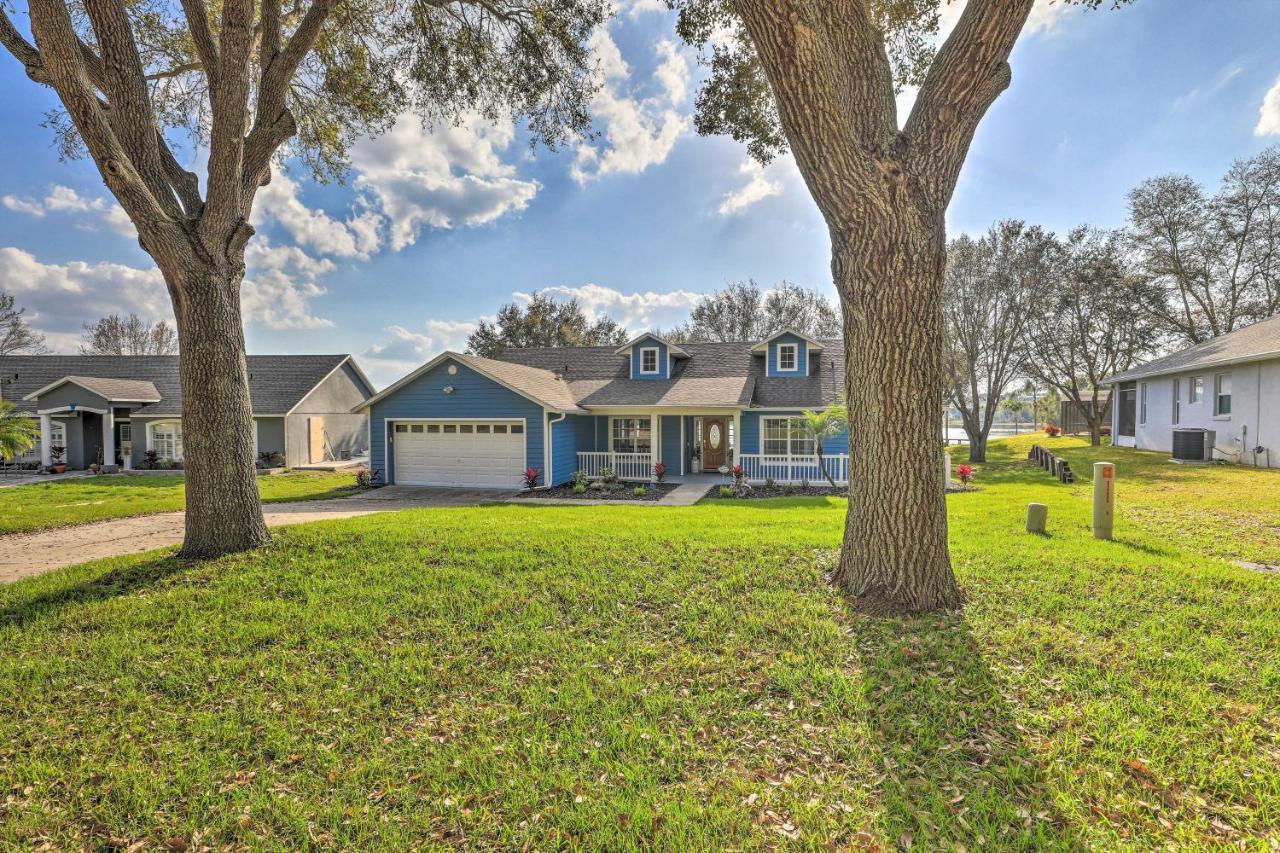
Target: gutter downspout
{"x":550,"y":452}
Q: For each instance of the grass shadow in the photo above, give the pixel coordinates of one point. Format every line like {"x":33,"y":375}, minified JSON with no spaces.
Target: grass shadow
{"x":18,"y":610}
{"x":958,"y":767}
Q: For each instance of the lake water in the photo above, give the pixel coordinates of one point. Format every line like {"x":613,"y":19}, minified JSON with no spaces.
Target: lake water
{"x":957,"y":434}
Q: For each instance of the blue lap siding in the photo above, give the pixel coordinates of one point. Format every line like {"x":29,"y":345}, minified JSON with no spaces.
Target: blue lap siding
{"x":474,"y":396}
{"x":575,"y":433}
{"x":669,"y":453}
{"x":751,"y":440}
{"x":802,"y":356}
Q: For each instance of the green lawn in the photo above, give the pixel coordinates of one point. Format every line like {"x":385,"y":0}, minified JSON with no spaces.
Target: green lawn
{"x":62,"y":502}
{"x":636,"y":677}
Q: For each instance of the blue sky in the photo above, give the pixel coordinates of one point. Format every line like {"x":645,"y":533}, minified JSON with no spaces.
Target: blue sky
{"x":435,"y":230}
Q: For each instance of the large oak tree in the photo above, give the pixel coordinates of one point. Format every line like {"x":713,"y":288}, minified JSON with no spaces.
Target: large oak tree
{"x":819,"y":77}
{"x":249,"y":82}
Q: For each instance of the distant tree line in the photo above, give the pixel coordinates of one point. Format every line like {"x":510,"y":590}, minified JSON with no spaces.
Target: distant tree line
{"x":1020,"y":302}
{"x":741,"y":311}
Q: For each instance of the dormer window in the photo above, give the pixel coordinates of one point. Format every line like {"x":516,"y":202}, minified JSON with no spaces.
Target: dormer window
{"x":787,"y":356}
{"x":649,"y":360}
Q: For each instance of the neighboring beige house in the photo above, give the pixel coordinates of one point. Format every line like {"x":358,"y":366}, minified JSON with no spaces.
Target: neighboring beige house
{"x":1228,"y":388}
{"x":112,"y":410}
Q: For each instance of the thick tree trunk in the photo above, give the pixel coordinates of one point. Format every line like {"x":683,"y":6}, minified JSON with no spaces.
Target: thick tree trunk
{"x":224,"y":511}
{"x":894,"y":558}
{"x":1095,"y":434}
{"x":977,"y":447}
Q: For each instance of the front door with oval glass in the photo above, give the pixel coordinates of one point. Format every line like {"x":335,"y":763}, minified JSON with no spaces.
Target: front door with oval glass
{"x":714,"y":438}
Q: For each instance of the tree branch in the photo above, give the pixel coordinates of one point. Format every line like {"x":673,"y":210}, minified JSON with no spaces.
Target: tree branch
{"x":224,"y":211}
{"x":202,"y":36}
{"x":968,"y":74}
{"x":125,"y":85}
{"x":63,"y":61}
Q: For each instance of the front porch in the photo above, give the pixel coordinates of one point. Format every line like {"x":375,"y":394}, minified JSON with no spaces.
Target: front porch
{"x":757,"y":468}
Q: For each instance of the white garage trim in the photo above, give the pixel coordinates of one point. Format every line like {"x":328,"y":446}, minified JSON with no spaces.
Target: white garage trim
{"x":391,"y":423}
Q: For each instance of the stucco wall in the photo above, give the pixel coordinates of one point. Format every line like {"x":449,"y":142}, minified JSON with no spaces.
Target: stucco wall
{"x":334,"y":398}
{"x":1254,"y":420}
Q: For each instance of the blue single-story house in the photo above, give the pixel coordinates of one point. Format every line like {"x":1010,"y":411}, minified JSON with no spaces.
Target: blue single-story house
{"x":462,"y":420}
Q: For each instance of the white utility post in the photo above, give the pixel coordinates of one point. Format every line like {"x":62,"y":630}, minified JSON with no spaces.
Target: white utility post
{"x":1104,"y":499}
{"x":946,"y":469}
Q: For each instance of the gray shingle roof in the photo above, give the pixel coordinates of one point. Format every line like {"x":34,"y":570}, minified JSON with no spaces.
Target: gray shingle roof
{"x":1252,"y":343}
{"x":276,"y":382}
{"x":542,"y":385}
{"x":117,"y":390}
{"x":714,"y":374}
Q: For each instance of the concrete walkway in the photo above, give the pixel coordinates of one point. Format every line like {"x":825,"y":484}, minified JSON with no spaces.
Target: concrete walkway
{"x":26,"y":554}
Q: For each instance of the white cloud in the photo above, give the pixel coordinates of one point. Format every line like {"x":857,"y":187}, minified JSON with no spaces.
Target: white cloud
{"x":60,"y":298}
{"x":635,"y":311}
{"x":758,"y":187}
{"x":279,"y":286}
{"x":638,"y":131}
{"x":407,"y":350}
{"x":445,"y":178}
{"x":63,"y":199}
{"x":280,"y":200}
{"x":1269,"y":113}
{"x":638,"y":8}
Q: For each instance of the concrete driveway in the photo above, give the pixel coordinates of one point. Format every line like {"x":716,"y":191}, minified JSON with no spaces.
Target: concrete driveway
{"x":26,"y":554}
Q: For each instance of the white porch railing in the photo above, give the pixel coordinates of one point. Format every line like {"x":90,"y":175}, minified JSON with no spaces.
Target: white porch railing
{"x":628,"y":466}
{"x":758,"y":467}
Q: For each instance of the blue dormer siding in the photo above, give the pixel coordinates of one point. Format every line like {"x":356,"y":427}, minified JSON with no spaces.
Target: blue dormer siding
{"x":802,"y":356}
{"x":663,"y":359}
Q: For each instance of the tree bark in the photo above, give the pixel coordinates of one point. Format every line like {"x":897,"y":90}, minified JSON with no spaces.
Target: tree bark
{"x":224,"y":512}
{"x":894,"y":558}
{"x":978,"y":447}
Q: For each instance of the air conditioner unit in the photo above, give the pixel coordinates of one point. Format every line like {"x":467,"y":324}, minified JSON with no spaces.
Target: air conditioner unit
{"x":1193,"y":445}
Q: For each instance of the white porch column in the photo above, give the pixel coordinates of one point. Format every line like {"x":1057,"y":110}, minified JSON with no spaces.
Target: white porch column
{"x":109,"y":438}
{"x":737,"y":439}
{"x":46,"y":439}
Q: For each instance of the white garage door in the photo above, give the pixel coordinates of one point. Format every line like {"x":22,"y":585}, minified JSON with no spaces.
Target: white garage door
{"x":486,"y":455}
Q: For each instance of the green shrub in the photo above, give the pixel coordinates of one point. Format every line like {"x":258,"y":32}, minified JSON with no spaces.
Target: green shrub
{"x":609,"y":475}
{"x":639,"y":491}
{"x":579,"y":488}
{"x":726,"y":491}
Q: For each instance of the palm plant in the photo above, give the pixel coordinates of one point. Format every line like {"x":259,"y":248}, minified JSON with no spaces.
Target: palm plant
{"x":819,"y":426}
{"x":18,"y":433}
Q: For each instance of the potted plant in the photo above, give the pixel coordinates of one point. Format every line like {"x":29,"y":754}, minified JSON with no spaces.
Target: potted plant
{"x":695,"y":465}
{"x":56,"y":465}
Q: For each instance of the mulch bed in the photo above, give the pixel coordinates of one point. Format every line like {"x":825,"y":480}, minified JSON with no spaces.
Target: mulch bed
{"x":786,"y":492}
{"x":619,"y":492}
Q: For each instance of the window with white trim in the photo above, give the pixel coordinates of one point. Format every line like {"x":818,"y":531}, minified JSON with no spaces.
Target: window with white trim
{"x":632,"y":435}
{"x":1177,"y":401}
{"x":649,"y":360}
{"x":1195,"y":389}
{"x":166,"y":440}
{"x":1142,"y":407}
{"x":788,"y":356}
{"x":785,"y":437}
{"x":1222,"y":394}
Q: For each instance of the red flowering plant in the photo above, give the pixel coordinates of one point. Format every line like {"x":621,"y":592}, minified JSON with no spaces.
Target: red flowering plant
{"x":738,"y":473}
{"x":964,"y":473}
{"x":659,"y":471}
{"x":531,"y":476}
{"x":1051,"y":430}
